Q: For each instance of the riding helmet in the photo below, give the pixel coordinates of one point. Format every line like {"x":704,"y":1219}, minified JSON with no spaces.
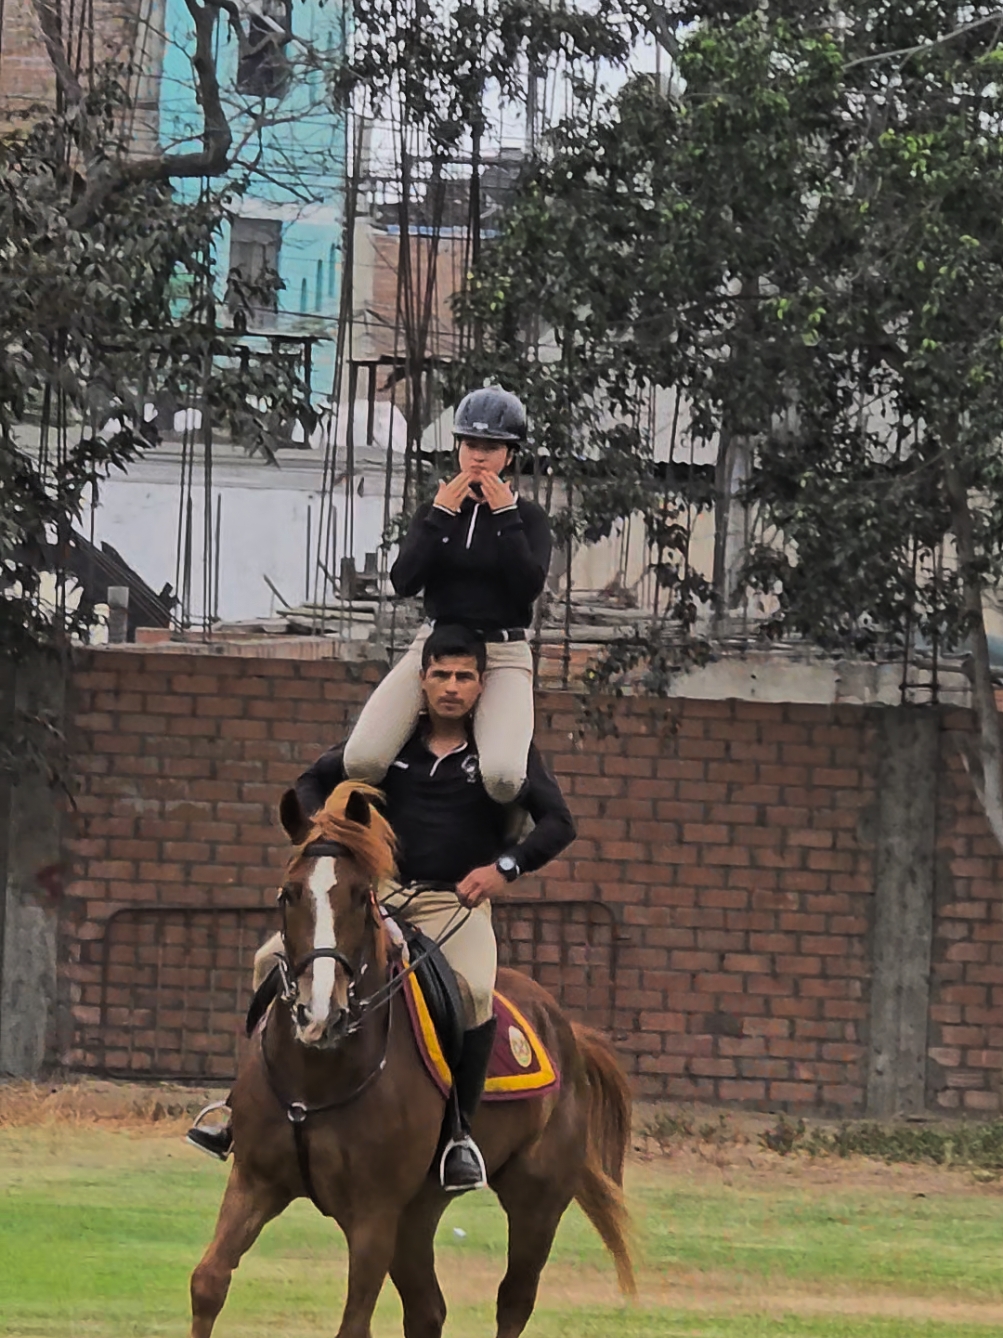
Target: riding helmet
{"x":492,"y":414}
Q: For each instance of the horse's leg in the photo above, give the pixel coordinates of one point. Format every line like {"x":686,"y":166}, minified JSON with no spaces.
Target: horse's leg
{"x":413,"y":1267}
{"x":246,"y":1207}
{"x":534,"y":1207}
{"x":370,"y":1250}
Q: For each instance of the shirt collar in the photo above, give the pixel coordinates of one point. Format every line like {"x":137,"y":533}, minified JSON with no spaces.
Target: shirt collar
{"x":419,"y":738}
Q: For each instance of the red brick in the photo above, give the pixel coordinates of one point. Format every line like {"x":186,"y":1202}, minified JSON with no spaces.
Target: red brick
{"x":735,"y":1089}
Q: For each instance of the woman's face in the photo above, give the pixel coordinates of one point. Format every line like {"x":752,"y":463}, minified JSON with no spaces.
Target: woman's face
{"x":479,"y":457}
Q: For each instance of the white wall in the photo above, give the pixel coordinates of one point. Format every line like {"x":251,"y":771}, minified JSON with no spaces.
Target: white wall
{"x":263,"y":525}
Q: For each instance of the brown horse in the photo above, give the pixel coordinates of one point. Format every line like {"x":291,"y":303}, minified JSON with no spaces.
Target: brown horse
{"x":332,"y":1102}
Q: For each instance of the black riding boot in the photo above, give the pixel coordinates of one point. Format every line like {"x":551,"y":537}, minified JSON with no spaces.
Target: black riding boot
{"x":216,"y":1141}
{"x":462,"y":1166}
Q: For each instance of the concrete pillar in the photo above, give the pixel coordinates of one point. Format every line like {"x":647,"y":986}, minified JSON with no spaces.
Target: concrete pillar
{"x":31,"y":870}
{"x":903,"y":910}
{"x":118,"y":614}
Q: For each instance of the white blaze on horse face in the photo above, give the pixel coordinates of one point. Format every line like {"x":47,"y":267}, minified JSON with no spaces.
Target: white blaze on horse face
{"x":320,"y":883}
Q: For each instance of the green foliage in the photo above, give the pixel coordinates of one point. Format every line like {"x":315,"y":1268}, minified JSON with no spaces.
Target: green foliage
{"x":436,"y":62}
{"x":802,"y":235}
{"x":96,"y":322}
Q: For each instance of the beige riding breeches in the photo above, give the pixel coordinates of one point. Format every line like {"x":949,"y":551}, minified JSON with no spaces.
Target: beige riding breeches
{"x":471,"y":951}
{"x":503,"y":720}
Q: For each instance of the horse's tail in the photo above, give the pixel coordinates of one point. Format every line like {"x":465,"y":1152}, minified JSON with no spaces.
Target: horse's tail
{"x":600,"y":1192}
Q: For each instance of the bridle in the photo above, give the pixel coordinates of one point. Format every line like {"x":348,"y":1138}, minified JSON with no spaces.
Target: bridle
{"x":290,"y":972}
{"x":297,"y":1112}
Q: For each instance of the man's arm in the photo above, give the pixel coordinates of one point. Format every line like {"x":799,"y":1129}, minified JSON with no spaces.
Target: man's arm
{"x":554,"y":831}
{"x":555,"y":827}
{"x":317,"y":782}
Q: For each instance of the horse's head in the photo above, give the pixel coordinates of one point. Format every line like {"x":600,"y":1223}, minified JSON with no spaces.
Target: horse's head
{"x":329,"y":920}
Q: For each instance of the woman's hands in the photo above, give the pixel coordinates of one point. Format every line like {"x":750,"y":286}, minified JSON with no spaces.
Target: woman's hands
{"x":452,"y":492}
{"x":497,"y":494}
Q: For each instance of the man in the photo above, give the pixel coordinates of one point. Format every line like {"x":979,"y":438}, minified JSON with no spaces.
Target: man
{"x":453,"y":841}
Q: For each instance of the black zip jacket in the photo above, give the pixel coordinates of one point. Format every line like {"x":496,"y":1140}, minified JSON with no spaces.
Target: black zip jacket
{"x":479,"y":568}
{"x":445,"y":822}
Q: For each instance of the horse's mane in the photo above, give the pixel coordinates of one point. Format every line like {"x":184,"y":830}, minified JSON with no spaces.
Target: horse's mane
{"x":372,"y":846}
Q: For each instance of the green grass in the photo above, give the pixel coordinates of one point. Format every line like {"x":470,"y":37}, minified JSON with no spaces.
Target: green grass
{"x":99,"y":1231}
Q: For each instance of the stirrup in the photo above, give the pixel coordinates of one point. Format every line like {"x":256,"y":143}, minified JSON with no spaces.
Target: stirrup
{"x":215,"y":1142}
{"x":207,"y":1110}
{"x":468,"y":1144}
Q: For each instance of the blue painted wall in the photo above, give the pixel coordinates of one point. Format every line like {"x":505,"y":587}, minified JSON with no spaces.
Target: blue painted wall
{"x":296,"y":165}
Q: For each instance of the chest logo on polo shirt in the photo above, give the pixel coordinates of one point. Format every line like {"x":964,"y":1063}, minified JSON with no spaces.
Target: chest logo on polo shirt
{"x":471,"y":769}
{"x":517,"y":1043}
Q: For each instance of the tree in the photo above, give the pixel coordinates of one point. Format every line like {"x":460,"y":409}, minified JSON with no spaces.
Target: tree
{"x":804,"y":235}
{"x":96,"y":322}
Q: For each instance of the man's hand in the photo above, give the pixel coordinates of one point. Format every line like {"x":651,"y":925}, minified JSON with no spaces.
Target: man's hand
{"x":451,"y":493}
{"x":481,"y":883}
{"x":497,"y":494}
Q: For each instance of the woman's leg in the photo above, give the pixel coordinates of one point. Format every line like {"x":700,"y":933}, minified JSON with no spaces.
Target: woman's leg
{"x":388,"y":718}
{"x":503,"y":722}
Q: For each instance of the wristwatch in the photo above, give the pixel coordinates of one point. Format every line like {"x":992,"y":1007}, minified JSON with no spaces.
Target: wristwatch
{"x":507,"y":867}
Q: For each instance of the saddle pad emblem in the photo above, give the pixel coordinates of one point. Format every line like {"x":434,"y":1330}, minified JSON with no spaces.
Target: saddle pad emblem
{"x":520,"y":1047}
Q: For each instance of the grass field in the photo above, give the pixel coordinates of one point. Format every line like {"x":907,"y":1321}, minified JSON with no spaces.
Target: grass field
{"x":100,"y":1228}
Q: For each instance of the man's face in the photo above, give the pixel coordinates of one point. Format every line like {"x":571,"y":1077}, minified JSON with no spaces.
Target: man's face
{"x":452,"y":686}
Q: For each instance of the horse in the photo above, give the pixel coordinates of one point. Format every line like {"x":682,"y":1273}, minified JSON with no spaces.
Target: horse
{"x":332,"y":1102}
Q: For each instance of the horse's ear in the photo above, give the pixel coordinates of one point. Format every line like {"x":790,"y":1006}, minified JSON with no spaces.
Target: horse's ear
{"x":292,"y":817}
{"x":357,"y":808}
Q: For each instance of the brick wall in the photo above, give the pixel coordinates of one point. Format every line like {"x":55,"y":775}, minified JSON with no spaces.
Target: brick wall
{"x":26,"y":74}
{"x":734,"y":840}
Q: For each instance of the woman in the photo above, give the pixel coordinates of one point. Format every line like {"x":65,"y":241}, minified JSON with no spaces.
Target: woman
{"x":480,"y":555}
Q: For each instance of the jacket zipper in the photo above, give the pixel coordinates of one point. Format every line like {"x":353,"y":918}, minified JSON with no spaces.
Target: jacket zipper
{"x":473,"y":522}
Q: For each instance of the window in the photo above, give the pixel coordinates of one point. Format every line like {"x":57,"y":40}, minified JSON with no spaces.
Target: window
{"x":263,"y":66}
{"x":254,"y":283}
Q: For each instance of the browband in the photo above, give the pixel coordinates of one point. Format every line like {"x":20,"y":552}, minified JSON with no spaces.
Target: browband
{"x":322,"y":847}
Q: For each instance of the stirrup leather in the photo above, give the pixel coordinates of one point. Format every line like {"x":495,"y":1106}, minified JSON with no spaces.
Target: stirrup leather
{"x":465,"y":1141}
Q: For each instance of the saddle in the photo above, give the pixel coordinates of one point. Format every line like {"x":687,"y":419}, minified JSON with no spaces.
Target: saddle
{"x":437,"y":981}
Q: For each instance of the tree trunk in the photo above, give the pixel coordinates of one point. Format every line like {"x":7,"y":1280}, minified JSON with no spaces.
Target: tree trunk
{"x":730,"y":524}
{"x":988,"y":784}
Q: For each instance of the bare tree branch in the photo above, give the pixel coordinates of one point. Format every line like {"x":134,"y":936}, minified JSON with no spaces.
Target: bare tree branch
{"x":662,"y":29}
{"x":52,"y":33}
{"x":905,"y":52}
{"x":212,"y":160}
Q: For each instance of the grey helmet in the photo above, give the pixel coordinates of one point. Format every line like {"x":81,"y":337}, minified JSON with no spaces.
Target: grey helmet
{"x":491,"y":414}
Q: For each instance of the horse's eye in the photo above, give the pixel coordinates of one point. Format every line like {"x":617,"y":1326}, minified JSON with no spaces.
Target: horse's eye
{"x":289,"y":893}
